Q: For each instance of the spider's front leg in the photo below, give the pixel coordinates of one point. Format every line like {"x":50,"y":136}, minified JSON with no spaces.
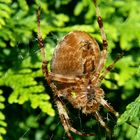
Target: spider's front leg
{"x":42,"y":48}
{"x":103,"y":56}
{"x":104,"y":39}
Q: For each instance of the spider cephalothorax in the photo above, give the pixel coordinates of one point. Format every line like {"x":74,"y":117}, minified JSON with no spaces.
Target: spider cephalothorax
{"x":76,"y":74}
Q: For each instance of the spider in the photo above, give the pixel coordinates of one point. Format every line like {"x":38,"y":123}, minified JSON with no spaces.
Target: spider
{"x":76,"y":74}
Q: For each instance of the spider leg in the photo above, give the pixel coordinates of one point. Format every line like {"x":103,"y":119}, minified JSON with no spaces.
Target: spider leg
{"x":63,"y":78}
{"x":109,"y":107}
{"x":42,"y":48}
{"x":79,"y":133}
{"x":110,"y":67}
{"x":99,"y":119}
{"x":64,"y":118}
{"x":104,"y":40}
{"x":61,"y":111}
{"x":66,"y":121}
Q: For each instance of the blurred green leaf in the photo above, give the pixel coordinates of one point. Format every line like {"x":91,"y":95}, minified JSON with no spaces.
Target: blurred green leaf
{"x":78,"y":9}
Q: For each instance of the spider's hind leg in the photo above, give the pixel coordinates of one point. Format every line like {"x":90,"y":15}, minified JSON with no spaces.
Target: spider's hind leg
{"x":66,"y":121}
{"x":100,"y":120}
{"x":63,"y":117}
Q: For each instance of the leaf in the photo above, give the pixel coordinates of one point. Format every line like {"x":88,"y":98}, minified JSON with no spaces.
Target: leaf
{"x":137,"y":136}
{"x":3,"y":124}
{"x":78,"y":9}
{"x":132,"y":112}
{"x":2,"y":130}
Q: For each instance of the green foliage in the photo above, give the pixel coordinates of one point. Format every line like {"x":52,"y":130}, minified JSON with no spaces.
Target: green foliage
{"x":15,"y":28}
{"x":130,"y":120}
{"x":3,"y":124}
{"x":22,"y":83}
{"x":132,"y":112}
{"x":27,"y":89}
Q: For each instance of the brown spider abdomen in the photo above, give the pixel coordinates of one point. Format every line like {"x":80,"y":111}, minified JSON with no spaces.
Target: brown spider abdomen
{"x":77,"y":54}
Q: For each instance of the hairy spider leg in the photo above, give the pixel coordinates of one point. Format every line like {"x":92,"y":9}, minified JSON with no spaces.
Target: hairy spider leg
{"x":109,"y":107}
{"x":104,"y":40}
{"x":63,"y":117}
{"x":100,"y":120}
{"x":103,"y":59}
{"x":110,"y":67}
{"x":63,"y":78}
{"x":66,"y":121}
{"x":42,"y":48}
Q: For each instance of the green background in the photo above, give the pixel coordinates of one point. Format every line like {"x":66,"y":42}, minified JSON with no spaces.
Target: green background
{"x":27,"y":108}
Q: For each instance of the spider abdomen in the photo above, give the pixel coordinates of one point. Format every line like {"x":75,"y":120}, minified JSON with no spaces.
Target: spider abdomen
{"x":77,"y":54}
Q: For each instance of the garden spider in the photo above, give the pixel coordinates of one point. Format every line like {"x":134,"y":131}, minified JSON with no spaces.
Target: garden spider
{"x":76,"y":74}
